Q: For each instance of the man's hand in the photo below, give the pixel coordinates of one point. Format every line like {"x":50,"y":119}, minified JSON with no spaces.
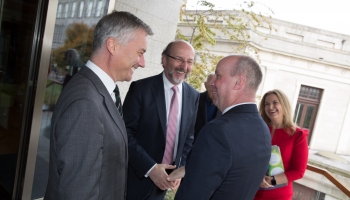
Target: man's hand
{"x":177,"y":174}
{"x":176,"y":184}
{"x":159,"y":176}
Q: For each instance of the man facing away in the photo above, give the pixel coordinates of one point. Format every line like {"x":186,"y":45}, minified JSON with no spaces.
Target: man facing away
{"x":207,"y":111}
{"x":160,"y":113}
{"x":232,"y":153}
{"x":88,"y":139}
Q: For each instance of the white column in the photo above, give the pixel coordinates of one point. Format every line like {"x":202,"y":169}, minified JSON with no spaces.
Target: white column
{"x":162,"y":16}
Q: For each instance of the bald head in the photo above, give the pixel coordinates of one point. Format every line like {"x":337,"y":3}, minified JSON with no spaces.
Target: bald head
{"x":237,"y":78}
{"x":246,"y":66}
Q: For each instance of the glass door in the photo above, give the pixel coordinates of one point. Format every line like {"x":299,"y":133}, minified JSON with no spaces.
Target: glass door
{"x":18,"y":29}
{"x":305,"y":111}
{"x":70,"y":50}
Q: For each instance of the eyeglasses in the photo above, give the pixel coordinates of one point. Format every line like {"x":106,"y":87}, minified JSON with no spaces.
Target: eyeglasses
{"x":180,"y":60}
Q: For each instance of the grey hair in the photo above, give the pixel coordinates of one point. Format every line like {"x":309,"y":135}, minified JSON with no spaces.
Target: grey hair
{"x":251,"y":69}
{"x":119,"y":25}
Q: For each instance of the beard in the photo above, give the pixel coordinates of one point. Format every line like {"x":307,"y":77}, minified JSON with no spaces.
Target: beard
{"x":177,"y":81}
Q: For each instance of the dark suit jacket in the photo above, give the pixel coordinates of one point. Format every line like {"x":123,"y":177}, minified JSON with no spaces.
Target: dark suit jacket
{"x":202,"y":113}
{"x":88,"y":143}
{"x":229,"y":159}
{"x":145,"y":120}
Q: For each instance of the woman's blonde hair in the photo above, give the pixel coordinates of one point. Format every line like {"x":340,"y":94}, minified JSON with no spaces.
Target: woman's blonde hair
{"x":287,"y":123}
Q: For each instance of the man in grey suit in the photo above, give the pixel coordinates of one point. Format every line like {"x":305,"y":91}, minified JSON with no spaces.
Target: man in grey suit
{"x":231,"y":155}
{"x":88,"y":139}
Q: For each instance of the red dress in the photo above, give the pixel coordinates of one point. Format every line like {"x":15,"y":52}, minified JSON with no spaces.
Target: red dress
{"x":294,"y":152}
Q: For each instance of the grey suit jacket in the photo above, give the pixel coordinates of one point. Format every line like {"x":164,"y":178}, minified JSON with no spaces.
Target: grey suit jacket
{"x":88,"y":143}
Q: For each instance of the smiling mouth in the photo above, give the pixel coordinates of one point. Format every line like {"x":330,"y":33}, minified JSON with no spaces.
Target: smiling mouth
{"x":134,"y":67}
{"x":180,"y":71}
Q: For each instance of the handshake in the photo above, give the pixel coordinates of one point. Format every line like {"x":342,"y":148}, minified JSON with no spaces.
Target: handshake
{"x":160,"y":177}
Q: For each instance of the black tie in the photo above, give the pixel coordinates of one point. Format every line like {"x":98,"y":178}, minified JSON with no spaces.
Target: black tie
{"x":118,"y":102}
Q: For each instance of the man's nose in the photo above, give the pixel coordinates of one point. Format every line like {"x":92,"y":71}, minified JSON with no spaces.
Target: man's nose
{"x":142,"y":61}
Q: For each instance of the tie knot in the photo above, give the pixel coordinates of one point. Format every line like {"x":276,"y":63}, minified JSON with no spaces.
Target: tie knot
{"x":116,"y":89}
{"x":174,"y":88}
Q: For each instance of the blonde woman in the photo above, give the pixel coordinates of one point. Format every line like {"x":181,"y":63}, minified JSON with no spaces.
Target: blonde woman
{"x":275,"y":109}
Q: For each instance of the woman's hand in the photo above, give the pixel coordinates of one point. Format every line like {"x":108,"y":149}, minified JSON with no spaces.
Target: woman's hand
{"x":266,"y":182}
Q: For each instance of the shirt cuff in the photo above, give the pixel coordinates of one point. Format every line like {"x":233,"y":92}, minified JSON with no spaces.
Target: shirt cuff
{"x":146,"y":175}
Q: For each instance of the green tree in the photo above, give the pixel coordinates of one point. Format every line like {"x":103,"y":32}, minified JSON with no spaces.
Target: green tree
{"x":79,"y":36}
{"x":206,"y":23}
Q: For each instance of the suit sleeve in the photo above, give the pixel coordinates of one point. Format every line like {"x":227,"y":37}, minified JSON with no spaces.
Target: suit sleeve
{"x":207,"y":165}
{"x":78,"y":143}
{"x":299,"y":156}
{"x":139,"y":159}
{"x":190,"y":136}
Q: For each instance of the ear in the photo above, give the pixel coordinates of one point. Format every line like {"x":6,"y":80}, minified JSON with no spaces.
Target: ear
{"x":112,"y":46}
{"x":164,"y":60}
{"x":240,"y":82}
{"x":207,"y":86}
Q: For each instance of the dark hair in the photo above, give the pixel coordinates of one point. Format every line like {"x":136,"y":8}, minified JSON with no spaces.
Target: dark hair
{"x":120,"y":25}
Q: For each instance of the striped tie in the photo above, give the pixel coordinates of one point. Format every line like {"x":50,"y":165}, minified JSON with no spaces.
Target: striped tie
{"x":171,"y":129}
{"x":118,"y":102}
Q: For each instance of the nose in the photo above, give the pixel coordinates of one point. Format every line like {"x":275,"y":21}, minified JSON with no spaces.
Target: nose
{"x":270,"y":106}
{"x":142,"y":61}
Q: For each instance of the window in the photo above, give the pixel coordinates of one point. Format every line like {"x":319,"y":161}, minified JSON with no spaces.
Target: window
{"x":89,"y":9}
{"x":58,"y":34}
{"x":81,"y":9}
{"x":306,"y":109}
{"x":59,"y":11}
{"x":99,"y":8}
{"x":72,"y":12}
{"x":65,"y":13}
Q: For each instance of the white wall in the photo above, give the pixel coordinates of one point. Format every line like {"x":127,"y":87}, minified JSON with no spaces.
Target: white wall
{"x":162,"y":16}
{"x":298,"y":55}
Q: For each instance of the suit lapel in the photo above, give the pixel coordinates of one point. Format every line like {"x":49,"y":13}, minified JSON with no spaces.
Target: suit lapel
{"x":158,"y":95}
{"x":184,"y":114}
{"x":111,"y":107}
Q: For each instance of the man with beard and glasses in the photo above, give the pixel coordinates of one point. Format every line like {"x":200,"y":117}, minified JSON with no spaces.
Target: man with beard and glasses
{"x":160,"y":114}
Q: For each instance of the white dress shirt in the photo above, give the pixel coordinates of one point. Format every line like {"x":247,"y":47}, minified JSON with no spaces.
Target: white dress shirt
{"x":105,"y":78}
{"x":168,"y":95}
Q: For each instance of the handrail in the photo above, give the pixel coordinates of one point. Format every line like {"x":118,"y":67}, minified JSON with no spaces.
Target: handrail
{"x":330,"y":177}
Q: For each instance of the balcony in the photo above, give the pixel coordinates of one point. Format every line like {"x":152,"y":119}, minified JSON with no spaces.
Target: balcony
{"x":327,"y":178}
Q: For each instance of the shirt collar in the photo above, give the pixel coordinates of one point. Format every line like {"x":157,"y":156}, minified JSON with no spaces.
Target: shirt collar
{"x":168,"y":85}
{"x":105,"y":78}
{"x":229,"y":108}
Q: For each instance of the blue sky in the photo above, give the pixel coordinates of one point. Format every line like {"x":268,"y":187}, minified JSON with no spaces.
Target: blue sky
{"x":323,"y":14}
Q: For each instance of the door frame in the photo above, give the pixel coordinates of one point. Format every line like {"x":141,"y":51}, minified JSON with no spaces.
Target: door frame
{"x":39,"y":97}
{"x":47,"y":39}
{"x":312,"y":139}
